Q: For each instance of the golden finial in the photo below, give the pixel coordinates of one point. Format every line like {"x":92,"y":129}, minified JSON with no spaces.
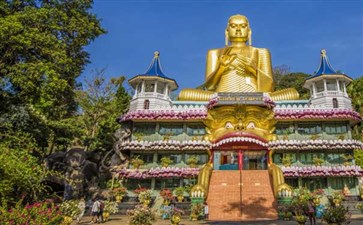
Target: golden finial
{"x":156,"y":54}
{"x":323,"y":52}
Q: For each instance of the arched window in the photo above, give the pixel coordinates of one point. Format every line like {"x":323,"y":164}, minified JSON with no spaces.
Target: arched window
{"x":146,"y":104}
{"x":335,"y":103}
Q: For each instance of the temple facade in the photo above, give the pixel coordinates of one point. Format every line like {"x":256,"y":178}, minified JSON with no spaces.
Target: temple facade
{"x":239,"y":143}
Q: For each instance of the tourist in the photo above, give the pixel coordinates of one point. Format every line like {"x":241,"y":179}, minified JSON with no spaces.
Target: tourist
{"x":100,"y":213}
{"x":95,"y":211}
{"x":82,"y":207}
{"x":311,"y":212}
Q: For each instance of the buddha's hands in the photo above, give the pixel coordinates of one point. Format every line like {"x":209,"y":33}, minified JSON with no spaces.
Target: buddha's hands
{"x":226,"y":60}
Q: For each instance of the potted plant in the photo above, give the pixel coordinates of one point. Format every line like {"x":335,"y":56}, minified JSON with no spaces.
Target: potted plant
{"x":192,"y":161}
{"x":119,"y":193}
{"x":361,"y":191}
{"x":316,"y":196}
{"x":110,"y":208}
{"x":359,"y":206}
{"x":286,"y":134}
{"x":301,"y":219}
{"x":137,"y":162}
{"x":138,"y":136}
{"x":145,"y":197}
{"x":167,"y":136}
{"x":176,"y":216}
{"x":299,"y":205}
{"x":337,"y":198}
{"x":141,"y":215}
{"x":179,"y":192}
{"x":166,"y":195}
{"x":347,"y":159}
{"x":165,"y":161}
{"x":287,"y":160}
{"x":287,"y":216}
{"x":336,"y":215}
{"x":318,"y":161}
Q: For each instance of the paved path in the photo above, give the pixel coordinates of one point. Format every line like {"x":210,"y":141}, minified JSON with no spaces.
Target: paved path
{"x":123,"y":220}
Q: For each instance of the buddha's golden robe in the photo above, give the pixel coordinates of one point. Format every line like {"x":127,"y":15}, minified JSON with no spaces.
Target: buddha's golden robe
{"x":243,"y":72}
{"x":250,"y":70}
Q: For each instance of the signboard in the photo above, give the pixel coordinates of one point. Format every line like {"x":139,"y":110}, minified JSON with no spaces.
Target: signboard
{"x":240,"y":98}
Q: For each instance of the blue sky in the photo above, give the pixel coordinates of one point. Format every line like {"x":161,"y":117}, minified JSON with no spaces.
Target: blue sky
{"x":183,"y":31}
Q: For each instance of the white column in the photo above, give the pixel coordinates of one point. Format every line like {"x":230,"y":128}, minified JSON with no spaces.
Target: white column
{"x":137,"y":86}
{"x":338,"y":86}
{"x":143,"y":87}
{"x":155,"y":86}
{"x":314,"y":90}
{"x":166,"y":89}
{"x":325,"y":87}
{"x":345,"y":90}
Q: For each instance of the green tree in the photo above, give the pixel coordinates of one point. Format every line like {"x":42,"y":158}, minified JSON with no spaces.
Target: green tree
{"x":286,"y":79}
{"x":42,"y":53}
{"x":355,"y":92}
{"x":101,"y":103}
{"x":20,"y":172}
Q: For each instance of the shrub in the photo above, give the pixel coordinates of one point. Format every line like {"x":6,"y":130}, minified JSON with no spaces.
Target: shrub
{"x":70,"y":208}
{"x":45,"y":213}
{"x":141,"y":215}
{"x":336,"y":214}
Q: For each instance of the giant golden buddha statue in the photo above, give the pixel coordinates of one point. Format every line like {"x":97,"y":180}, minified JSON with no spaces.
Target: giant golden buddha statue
{"x":238,"y":67}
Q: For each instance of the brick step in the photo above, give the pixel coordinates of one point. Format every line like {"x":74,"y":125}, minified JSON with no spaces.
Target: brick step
{"x":241,"y":195}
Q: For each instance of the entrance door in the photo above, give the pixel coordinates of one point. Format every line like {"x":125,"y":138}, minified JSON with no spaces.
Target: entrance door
{"x":254,"y":160}
{"x":225,"y":160}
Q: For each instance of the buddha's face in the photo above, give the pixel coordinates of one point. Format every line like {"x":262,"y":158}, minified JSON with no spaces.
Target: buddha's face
{"x":238,"y":29}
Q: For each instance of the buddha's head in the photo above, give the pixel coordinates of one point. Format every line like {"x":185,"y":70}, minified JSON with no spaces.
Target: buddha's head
{"x":238,"y":29}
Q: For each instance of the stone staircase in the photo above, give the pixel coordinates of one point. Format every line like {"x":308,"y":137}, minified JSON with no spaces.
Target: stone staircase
{"x":241,"y":195}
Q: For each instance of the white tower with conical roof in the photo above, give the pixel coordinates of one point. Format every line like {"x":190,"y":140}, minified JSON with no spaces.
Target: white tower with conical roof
{"x":328,"y":88}
{"x":152,"y":88}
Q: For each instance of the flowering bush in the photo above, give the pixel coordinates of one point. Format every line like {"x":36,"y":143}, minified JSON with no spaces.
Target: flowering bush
{"x":322,"y":171}
{"x":314,"y":144}
{"x":288,"y":114}
{"x":141,"y":215}
{"x":70,"y":208}
{"x":45,"y":213}
{"x":160,"y":173}
{"x":166,"y":194}
{"x":165,"y":114}
{"x":166,"y":145}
